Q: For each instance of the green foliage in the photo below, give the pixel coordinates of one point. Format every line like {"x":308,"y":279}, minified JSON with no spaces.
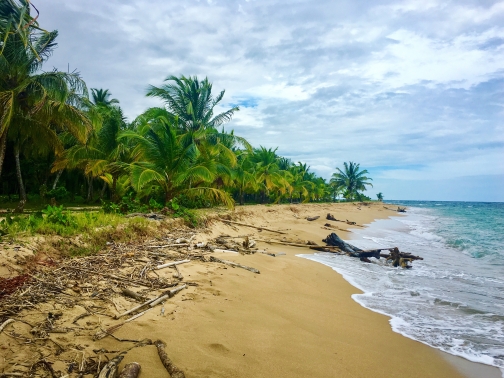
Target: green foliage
{"x":180,"y":211}
{"x":58,"y":193}
{"x":56,"y":215}
{"x":110,"y":207}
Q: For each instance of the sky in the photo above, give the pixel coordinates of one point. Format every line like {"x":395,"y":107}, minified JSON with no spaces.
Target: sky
{"x":413,"y":91}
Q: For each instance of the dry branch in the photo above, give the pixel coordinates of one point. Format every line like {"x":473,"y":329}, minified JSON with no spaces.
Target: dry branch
{"x":249,"y":225}
{"x":172,"y":264}
{"x":174,"y":371}
{"x":5,"y":324}
{"x":234,"y":265}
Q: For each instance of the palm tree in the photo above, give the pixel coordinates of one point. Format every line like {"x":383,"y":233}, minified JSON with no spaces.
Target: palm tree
{"x":269,"y":175}
{"x":192,"y":102}
{"x":35,"y":105}
{"x":101,"y":97}
{"x":161,"y":161}
{"x":380,"y":196}
{"x":351,"y":179}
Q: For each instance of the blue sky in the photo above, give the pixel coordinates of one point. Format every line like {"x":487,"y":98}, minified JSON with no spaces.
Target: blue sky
{"x":411,"y":90}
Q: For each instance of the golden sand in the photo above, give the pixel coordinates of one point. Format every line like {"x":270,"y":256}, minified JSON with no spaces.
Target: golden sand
{"x":294,"y":319}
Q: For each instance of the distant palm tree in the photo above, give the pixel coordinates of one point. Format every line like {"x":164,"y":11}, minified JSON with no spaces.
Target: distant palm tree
{"x":380,"y":197}
{"x":351,"y":179}
{"x":101,"y":97}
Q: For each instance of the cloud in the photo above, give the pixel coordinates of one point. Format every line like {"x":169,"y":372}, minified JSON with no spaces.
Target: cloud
{"x":416,"y":86}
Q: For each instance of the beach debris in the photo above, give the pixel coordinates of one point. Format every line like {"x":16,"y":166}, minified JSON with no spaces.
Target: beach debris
{"x":399,"y":209}
{"x":250,"y":225}
{"x":173,"y":370}
{"x":398,"y":258}
{"x":110,"y":369}
{"x":173,"y":263}
{"x":5,"y":324}
{"x":132,"y":294}
{"x":248,"y":243}
{"x":131,"y":370}
{"x":273,"y":254}
{"x":310,"y":219}
{"x":234,"y":265}
{"x":331,"y":217}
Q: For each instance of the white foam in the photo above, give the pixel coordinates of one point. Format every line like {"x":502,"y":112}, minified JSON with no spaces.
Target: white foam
{"x":432,"y":303}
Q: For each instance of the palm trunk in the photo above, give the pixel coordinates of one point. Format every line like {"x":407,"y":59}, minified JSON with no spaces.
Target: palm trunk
{"x":242,"y":195}
{"x":114,"y":188}
{"x":89,"y":198}
{"x":3,"y":148}
{"x":58,"y":175}
{"x":103,"y":190}
{"x":22,"y":192}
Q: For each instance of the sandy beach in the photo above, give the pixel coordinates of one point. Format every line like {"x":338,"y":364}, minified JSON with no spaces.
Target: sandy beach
{"x":294,"y":319}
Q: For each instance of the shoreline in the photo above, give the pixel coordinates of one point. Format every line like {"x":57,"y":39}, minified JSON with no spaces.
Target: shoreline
{"x":468,"y":368}
{"x":294,"y":319}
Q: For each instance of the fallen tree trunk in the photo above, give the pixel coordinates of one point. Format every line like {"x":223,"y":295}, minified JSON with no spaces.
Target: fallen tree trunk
{"x":174,"y":371}
{"x":131,"y":370}
{"x":249,"y":225}
{"x":234,"y":265}
{"x":334,"y":240}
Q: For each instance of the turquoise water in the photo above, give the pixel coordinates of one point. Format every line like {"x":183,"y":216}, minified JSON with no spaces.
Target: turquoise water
{"x":453,"y":300}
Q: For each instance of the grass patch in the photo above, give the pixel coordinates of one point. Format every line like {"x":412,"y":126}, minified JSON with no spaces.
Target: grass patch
{"x":80,"y":233}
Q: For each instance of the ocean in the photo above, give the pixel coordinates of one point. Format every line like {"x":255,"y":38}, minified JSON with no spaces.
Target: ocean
{"x":453,"y":300}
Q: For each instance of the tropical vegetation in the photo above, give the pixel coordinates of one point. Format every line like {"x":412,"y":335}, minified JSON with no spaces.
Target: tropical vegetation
{"x":61,"y":143}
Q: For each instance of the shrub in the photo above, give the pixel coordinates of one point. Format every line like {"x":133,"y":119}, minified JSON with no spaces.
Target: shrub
{"x":59,"y":193}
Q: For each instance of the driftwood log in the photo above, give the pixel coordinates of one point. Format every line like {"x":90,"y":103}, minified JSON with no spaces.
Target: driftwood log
{"x":234,"y":265}
{"x":132,"y":294}
{"x":313,"y":218}
{"x":398,"y":258}
{"x":110,"y":369}
{"x":174,"y":371}
{"x":131,"y":370}
{"x":249,"y":225}
{"x":332,"y":218}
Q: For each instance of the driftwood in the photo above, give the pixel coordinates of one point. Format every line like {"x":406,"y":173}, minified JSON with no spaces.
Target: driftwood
{"x":172,"y":264}
{"x":174,"y":371}
{"x":234,"y":265}
{"x":169,"y":293}
{"x":334,"y":240}
{"x":131,"y":370}
{"x":284,"y":243}
{"x":332,"y":218}
{"x":218,"y":250}
{"x":132,"y":294}
{"x":398,"y":258}
{"x":5,"y":324}
{"x":313,"y":218}
{"x":249,"y":225}
{"x":273,"y":254}
{"x":110,"y":369}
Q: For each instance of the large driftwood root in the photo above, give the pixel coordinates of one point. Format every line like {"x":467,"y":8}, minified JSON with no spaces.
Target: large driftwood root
{"x":174,"y":371}
{"x":131,"y":370}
